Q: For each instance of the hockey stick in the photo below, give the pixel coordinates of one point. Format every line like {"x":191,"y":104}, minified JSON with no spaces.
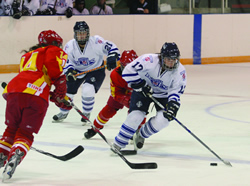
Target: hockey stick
{"x":91,"y":70}
{"x":75,"y":152}
{"x":160,"y":105}
{"x":119,"y":153}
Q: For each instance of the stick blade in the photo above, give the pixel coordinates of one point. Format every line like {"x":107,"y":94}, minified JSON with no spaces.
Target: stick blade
{"x":128,"y":152}
{"x":72,"y":154}
{"x":143,"y":165}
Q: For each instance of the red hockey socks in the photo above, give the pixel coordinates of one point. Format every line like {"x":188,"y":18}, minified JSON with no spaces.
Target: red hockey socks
{"x":104,"y":115}
{"x":23,"y":141}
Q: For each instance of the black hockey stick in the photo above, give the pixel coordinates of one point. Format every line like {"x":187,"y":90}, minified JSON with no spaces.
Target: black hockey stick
{"x":119,"y":153}
{"x":75,"y":152}
{"x":160,"y":105}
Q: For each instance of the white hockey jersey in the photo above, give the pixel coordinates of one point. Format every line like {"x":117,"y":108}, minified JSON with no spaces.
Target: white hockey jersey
{"x":31,"y":6}
{"x":169,"y":84}
{"x":92,"y":55}
{"x":45,"y":4}
{"x":7,"y":8}
{"x":62,"y":5}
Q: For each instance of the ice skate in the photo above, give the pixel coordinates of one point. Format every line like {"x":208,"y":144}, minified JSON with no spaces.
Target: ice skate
{"x":84,"y":121}
{"x":138,"y":140}
{"x":59,"y":117}
{"x":3,"y":158}
{"x":90,"y":133}
{"x":114,"y":148}
{"x":11,"y":165}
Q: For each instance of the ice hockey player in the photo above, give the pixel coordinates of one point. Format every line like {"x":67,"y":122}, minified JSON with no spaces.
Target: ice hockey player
{"x":120,"y":95}
{"x":27,"y":96}
{"x":164,"y":77}
{"x":86,"y":52}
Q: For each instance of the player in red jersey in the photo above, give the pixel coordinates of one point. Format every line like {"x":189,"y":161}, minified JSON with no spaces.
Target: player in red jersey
{"x":27,"y":97}
{"x":120,"y":94}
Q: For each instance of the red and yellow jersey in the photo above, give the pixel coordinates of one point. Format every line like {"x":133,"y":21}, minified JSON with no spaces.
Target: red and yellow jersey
{"x":38,"y":71}
{"x":118,"y":86}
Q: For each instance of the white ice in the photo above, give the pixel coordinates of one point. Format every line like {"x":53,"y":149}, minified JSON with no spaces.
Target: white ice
{"x":215,"y":107}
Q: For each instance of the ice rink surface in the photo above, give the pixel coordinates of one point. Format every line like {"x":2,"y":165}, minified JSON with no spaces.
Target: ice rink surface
{"x":215,"y":107}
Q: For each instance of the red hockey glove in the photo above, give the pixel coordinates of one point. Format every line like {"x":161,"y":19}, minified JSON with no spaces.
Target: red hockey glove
{"x":125,"y":100}
{"x":61,"y":88}
{"x":60,"y":103}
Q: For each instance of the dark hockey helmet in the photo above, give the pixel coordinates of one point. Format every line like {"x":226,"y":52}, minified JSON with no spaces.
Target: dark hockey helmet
{"x":81,"y":32}
{"x":127,"y":57}
{"x":169,"y":51}
{"x":50,"y":37}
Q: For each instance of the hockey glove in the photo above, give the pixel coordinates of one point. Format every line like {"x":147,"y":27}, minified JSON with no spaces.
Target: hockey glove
{"x":111,"y":61}
{"x":60,"y":103}
{"x":172,"y":109}
{"x":125,"y":100}
{"x":70,"y":74}
{"x":142,"y":87}
{"x":61,"y":88}
{"x":69,"y":12}
{"x":49,"y":11}
{"x":25,"y":12}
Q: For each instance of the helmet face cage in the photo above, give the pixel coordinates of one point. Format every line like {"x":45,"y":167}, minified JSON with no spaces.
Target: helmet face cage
{"x":50,"y":37}
{"x":81,"y":32}
{"x":127,"y":57}
{"x":170,"y":51}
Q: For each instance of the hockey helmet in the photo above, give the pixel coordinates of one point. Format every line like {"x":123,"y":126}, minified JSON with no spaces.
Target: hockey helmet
{"x":81,"y":32}
{"x":127,"y":57}
{"x":50,"y":37}
{"x":170,"y":52}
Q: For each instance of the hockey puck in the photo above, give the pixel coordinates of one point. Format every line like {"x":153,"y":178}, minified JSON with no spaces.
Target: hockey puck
{"x":213,"y":164}
{"x":3,"y":84}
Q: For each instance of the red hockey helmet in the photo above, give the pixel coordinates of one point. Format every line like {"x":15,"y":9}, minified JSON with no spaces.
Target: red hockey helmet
{"x":127,"y":57}
{"x":50,"y":37}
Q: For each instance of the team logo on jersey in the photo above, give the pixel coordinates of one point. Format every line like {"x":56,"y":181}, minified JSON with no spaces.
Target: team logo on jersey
{"x":85,"y":61}
{"x":34,"y":87}
{"x":97,"y":40}
{"x":148,"y":59}
{"x":139,"y":104}
{"x":183,"y":74}
{"x":157,"y":82}
{"x":93,"y":79}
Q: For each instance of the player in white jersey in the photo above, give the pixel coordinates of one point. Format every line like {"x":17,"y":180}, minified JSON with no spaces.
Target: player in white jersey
{"x":79,"y":8}
{"x":164,"y":77}
{"x":47,"y":7}
{"x":86,"y":52}
{"x":12,"y":8}
{"x":64,"y":7}
{"x":30,"y":7}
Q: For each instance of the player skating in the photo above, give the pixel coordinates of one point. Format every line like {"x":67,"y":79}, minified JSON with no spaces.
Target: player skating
{"x":86,"y":52}
{"x":27,"y":97}
{"x":161,"y":75}
{"x":120,"y":94}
